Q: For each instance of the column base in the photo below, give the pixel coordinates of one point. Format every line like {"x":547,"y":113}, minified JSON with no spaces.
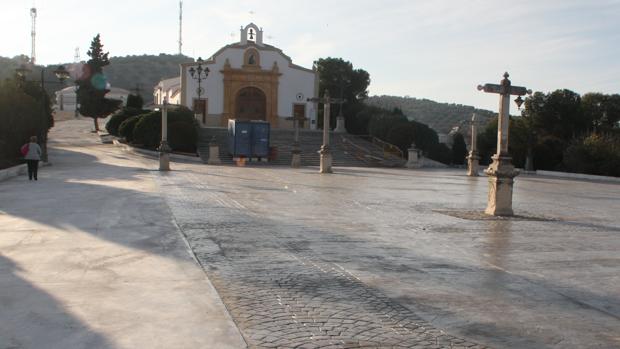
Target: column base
{"x":296,"y":160}
{"x":214,"y":155}
{"x":326,"y":160}
{"x":164,"y":161}
{"x":164,"y":156}
{"x":413,"y":159}
{"x":473,"y":164}
{"x":501,"y":179}
{"x":340,"y":125}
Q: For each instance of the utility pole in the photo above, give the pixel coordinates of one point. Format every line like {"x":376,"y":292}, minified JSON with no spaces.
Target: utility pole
{"x":33,"y":33}
{"x":181,"y":27}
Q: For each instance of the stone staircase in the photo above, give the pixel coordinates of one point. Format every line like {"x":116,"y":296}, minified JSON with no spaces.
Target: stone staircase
{"x":347,"y":150}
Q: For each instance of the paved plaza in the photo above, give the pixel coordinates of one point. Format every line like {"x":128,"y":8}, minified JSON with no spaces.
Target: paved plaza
{"x":362,"y":258}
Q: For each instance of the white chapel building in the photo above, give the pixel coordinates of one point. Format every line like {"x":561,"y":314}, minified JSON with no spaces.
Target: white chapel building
{"x":247,"y":80}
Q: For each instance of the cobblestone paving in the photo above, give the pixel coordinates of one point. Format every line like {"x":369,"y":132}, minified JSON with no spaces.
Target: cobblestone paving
{"x":372,"y":258}
{"x":281,"y":294}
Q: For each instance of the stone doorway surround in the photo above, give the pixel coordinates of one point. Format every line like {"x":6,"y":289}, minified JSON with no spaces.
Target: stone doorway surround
{"x":251,"y":76}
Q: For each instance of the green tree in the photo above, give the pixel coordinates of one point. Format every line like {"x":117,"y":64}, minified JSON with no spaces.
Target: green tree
{"x":459,"y":149}
{"x":93,"y":86}
{"x":24,"y":112}
{"x":601,"y":111}
{"x":342,"y":80}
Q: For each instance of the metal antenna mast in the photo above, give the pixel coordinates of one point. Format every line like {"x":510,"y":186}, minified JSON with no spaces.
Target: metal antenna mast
{"x":33,"y":33}
{"x":181,"y":27}
{"x":76,"y":57}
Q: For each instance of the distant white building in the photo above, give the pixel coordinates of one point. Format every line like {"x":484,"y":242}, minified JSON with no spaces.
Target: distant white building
{"x":169,"y":89}
{"x":247,"y":80}
{"x":66,"y":98}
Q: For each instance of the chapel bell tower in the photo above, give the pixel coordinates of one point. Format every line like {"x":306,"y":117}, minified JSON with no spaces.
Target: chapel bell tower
{"x":252,"y":33}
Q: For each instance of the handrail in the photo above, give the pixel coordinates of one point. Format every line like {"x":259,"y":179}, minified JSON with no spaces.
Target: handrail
{"x":359,"y":152}
{"x":388,"y":148}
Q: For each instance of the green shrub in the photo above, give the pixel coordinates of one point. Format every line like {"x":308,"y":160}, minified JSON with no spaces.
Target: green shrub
{"x":127,"y":127}
{"x":401,"y":135}
{"x":595,"y":154}
{"x":440,"y":152}
{"x":182,"y":136}
{"x":117,"y":118}
{"x":459,"y":149}
{"x":148,"y":129}
{"x":21,"y":116}
{"x":135,"y":101}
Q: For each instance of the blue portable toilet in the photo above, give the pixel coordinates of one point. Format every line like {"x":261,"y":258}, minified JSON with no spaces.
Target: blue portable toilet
{"x":260,"y":139}
{"x":240,"y":138}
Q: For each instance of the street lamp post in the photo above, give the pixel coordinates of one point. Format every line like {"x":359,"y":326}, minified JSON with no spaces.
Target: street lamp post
{"x":200,"y":73}
{"x":62,"y":74}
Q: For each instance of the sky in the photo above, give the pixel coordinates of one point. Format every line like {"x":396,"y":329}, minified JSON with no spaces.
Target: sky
{"x":434,"y":49}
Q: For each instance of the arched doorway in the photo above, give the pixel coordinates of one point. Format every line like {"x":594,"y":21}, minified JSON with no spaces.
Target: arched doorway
{"x":250,"y":104}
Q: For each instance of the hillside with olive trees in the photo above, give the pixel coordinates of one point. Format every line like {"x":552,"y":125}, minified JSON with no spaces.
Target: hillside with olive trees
{"x":128,"y":72}
{"x":441,"y":117}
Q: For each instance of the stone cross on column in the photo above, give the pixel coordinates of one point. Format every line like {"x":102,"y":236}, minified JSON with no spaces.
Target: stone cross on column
{"x":296,"y":149}
{"x":473,"y":158}
{"x":326,"y":156}
{"x":164,"y":148}
{"x":501,"y":172}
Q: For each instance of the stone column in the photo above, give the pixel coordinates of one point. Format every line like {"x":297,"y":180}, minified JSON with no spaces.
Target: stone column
{"x":340,"y":122}
{"x":296,"y":152}
{"x":164,"y":148}
{"x":414,"y":160}
{"x":501,"y":172}
{"x":473,"y":158}
{"x":326,"y":156}
{"x":214,"y":153}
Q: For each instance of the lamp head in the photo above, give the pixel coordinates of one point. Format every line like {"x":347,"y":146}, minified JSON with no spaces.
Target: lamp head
{"x":61,"y":73}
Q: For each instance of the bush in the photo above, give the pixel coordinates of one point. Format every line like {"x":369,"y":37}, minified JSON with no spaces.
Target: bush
{"x":182,"y":136}
{"x":548,"y":154}
{"x":21,"y":117}
{"x":459,"y":150}
{"x":440,"y":152}
{"x":135,"y":101}
{"x":595,"y":154}
{"x":117,"y":119}
{"x":401,"y":135}
{"x":127,"y":127}
{"x":148,"y":129}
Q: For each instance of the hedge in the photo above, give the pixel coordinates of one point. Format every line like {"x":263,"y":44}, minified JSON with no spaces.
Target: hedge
{"x":126,"y":128}
{"x":117,"y":119}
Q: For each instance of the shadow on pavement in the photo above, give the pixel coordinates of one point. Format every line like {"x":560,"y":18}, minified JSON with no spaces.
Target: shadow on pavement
{"x":31,"y":318}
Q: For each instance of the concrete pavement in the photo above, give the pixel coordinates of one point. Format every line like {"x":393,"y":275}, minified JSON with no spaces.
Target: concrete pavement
{"x":91,"y":257}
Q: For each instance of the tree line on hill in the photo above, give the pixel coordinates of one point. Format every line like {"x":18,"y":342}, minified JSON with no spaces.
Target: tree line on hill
{"x":441,"y":117}
{"x":136,"y":73}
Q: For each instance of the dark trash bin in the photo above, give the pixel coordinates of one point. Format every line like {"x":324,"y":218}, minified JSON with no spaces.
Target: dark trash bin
{"x":273,"y":153}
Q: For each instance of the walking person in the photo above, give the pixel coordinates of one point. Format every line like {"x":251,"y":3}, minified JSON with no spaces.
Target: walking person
{"x":32,"y":156}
